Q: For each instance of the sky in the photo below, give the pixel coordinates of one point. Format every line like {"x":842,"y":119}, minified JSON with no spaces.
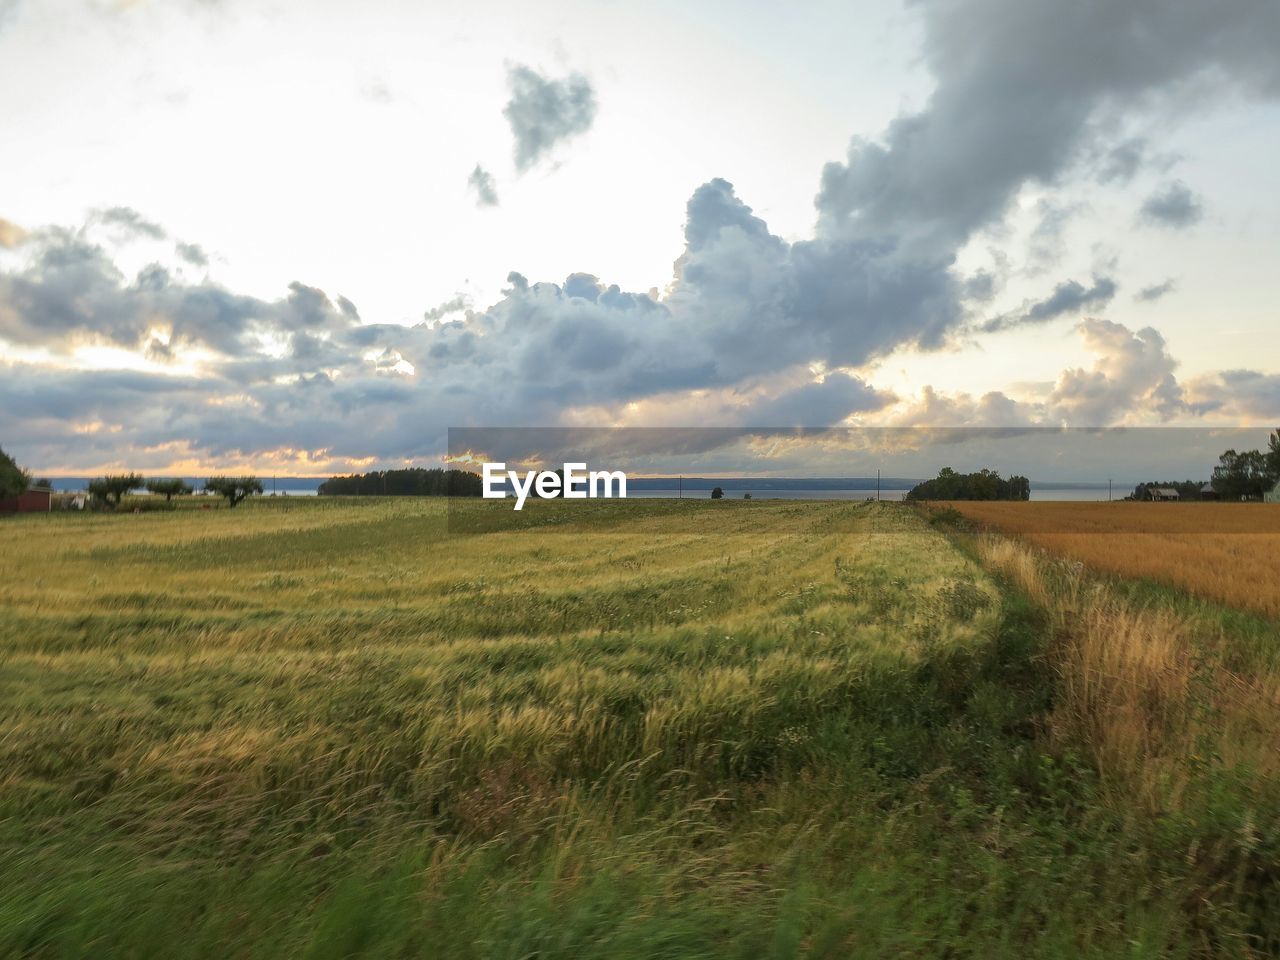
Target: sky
{"x":307,"y":238}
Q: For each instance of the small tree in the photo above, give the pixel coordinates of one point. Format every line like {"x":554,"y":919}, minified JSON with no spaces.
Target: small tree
{"x":13,"y":479}
{"x":717,"y":494}
{"x":110,"y":490}
{"x":234,"y":489}
{"x":747,"y":495}
{"x":170,"y":488}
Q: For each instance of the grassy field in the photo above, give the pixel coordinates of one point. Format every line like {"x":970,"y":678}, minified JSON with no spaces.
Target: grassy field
{"x":1228,"y":552}
{"x":651,"y":729}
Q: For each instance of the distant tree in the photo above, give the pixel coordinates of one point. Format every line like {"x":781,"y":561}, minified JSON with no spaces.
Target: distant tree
{"x":44,"y":483}
{"x":717,"y":494}
{"x":234,"y":489}
{"x":413,"y":482}
{"x":13,"y":479}
{"x":983,"y":485}
{"x":747,"y":495}
{"x":1241,"y":476}
{"x":110,"y":490}
{"x":1272,"y":457}
{"x":169,"y":488}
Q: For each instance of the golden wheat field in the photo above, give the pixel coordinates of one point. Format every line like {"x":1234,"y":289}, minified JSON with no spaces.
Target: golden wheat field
{"x":1228,"y":552}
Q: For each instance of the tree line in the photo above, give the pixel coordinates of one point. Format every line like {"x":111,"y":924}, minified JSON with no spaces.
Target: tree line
{"x":1239,"y":475}
{"x":983,"y":485}
{"x":109,"y":491}
{"x":410,"y":482}
{"x":1248,"y":474}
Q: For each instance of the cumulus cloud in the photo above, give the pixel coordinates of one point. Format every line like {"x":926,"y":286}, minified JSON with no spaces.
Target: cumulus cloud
{"x":1238,"y":394}
{"x":1068,"y":298}
{"x":1132,"y":380}
{"x":1174,"y":206}
{"x":992,"y":409}
{"x":543,"y":111}
{"x":744,"y":304}
{"x":486,"y":188}
{"x":1134,"y":374}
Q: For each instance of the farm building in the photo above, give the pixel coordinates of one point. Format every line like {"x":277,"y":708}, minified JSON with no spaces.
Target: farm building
{"x":1272,"y":495}
{"x":1163,"y":493}
{"x":35,"y":500}
{"x":1208,"y":493}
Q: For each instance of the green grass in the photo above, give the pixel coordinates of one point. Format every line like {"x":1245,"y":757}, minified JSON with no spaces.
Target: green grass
{"x":662,"y":729}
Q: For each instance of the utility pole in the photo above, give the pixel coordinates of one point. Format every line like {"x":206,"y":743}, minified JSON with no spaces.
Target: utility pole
{"x":681,"y":494}
{"x":1108,"y":489}
{"x":877,"y":483}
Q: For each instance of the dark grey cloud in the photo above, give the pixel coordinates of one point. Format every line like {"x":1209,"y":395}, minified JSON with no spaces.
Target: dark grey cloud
{"x":485,"y":187}
{"x":1173,"y":206}
{"x":1121,"y":162}
{"x":1019,"y":88}
{"x":981,"y":287}
{"x":1068,"y":299}
{"x":1155,"y":292}
{"x":818,"y":404}
{"x":543,"y":111}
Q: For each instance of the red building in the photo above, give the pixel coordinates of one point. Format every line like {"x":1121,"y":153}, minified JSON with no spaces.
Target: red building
{"x":35,"y":500}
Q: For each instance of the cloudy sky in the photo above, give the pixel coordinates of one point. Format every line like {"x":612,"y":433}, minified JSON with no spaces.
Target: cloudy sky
{"x":310,"y":237}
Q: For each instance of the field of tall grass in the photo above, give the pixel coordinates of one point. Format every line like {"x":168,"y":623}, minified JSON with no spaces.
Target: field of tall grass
{"x":1229,"y":552}
{"x":651,"y":729}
